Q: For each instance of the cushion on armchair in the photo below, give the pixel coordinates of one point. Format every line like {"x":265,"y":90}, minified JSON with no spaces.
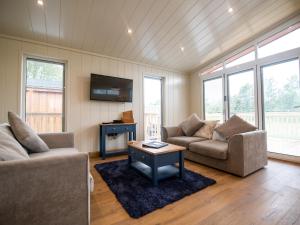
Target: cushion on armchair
{"x":234,"y":125}
{"x":191,"y":125}
{"x":10,"y":149}
{"x":25,"y":135}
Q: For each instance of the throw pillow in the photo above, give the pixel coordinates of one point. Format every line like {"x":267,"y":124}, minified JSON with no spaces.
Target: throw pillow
{"x":191,"y":125}
{"x":25,"y":135}
{"x":207,"y":129}
{"x":218,"y":137}
{"x":235,"y":125}
{"x":10,"y":149}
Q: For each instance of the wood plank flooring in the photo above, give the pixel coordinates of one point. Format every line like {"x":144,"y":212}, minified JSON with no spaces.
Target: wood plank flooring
{"x":269,"y":196}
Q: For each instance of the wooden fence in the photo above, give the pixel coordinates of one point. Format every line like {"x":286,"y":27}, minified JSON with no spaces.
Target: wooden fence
{"x":44,"y":109}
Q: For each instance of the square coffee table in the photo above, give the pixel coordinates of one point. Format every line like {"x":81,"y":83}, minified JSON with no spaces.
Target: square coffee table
{"x":156,"y":164}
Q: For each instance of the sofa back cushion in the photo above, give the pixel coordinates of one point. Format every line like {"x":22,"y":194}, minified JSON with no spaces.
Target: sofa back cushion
{"x":10,"y":149}
{"x":25,"y":135}
{"x":191,"y":125}
{"x":207,"y":129}
{"x":217,"y":136}
{"x":235,"y":125}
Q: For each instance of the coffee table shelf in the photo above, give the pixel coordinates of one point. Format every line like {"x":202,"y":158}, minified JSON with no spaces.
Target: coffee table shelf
{"x":162,"y":172}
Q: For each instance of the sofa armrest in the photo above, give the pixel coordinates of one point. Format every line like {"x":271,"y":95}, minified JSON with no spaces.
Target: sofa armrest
{"x":58,"y":140}
{"x":52,"y":190}
{"x":170,"y":132}
{"x":248,"y":151}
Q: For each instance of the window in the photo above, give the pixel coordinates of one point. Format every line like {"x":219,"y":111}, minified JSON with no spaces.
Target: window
{"x":246,"y":56}
{"x":213,"y":69}
{"x":281,"y":95}
{"x":152,"y":108}
{"x":44,"y":99}
{"x":266,"y":93}
{"x":213,"y":99}
{"x":285,"y":40}
{"x":241,"y":95}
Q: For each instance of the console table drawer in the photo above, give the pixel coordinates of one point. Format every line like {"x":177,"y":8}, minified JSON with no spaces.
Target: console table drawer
{"x":119,"y":129}
{"x":112,"y":129}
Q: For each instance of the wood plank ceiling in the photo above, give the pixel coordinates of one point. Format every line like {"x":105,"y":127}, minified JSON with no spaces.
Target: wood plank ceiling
{"x":204,"y":28}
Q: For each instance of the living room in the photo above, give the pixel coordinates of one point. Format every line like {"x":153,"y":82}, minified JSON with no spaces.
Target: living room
{"x":149,"y":112}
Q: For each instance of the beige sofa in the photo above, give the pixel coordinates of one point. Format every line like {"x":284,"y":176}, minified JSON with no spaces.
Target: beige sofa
{"x":50,"y":188}
{"x":241,"y":155}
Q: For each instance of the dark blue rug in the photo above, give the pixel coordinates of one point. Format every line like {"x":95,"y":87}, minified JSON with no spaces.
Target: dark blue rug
{"x":137,"y":194}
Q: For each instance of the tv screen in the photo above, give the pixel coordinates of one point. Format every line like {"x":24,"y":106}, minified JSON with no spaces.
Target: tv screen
{"x":106,"y":88}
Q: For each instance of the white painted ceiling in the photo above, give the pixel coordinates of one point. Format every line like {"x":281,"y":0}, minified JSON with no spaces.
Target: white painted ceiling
{"x":160,"y":28}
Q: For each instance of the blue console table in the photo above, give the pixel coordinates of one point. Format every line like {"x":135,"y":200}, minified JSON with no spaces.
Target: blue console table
{"x":115,"y":128}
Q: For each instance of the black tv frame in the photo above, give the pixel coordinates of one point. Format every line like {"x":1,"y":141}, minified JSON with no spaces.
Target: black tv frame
{"x":114,"y":78}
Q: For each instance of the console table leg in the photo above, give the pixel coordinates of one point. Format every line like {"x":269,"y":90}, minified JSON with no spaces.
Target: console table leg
{"x":130,"y":136}
{"x":134,"y":135}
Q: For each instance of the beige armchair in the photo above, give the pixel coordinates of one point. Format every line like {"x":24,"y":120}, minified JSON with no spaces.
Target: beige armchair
{"x":49,"y":188}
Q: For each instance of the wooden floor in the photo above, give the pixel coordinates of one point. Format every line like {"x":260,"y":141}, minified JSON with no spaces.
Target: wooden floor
{"x":270,"y":196}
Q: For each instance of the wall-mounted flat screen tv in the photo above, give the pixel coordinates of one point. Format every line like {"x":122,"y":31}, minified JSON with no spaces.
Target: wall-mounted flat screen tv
{"x":107,"y":88}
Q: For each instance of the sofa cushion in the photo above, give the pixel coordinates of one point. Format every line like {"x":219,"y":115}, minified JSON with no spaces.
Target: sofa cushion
{"x":54,"y":152}
{"x":25,"y":135}
{"x":210,"y":148}
{"x":10,"y":149}
{"x":191,"y":125}
{"x":184,"y":140}
{"x":218,"y":137}
{"x":207,"y":129}
{"x":235,"y":125}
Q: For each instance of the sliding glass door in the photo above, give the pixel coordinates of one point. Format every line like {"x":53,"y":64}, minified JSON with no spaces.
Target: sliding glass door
{"x":281,"y":106}
{"x":213,"y":99}
{"x":241,"y":100}
{"x":152,"y":108}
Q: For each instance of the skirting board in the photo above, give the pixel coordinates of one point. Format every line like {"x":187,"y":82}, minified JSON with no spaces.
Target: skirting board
{"x":94,"y":154}
{"x":289,"y":158}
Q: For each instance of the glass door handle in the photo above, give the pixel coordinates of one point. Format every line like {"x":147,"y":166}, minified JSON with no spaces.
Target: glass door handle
{"x":296,"y":106}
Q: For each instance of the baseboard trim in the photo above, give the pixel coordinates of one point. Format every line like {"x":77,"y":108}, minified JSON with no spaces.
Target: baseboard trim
{"x":94,"y":154}
{"x":288,"y":158}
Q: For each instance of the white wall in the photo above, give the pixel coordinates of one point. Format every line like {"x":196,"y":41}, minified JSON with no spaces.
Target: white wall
{"x":196,"y":94}
{"x":83,"y":115}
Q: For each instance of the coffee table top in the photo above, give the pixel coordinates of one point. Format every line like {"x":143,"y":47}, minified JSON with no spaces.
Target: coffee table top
{"x":155,"y":151}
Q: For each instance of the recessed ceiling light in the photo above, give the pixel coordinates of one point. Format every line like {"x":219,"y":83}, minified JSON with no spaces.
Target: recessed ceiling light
{"x":182,"y":49}
{"x":230,"y":10}
{"x":129,"y":31}
{"x":40,"y":2}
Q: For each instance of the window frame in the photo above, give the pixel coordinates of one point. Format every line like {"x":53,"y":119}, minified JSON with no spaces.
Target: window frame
{"x":24,"y":85}
{"x":162,"y":82}
{"x":203,"y":95}
{"x":239,"y":55}
{"x":255,"y":87}
{"x":263,"y":126}
{"x":257,"y":65}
